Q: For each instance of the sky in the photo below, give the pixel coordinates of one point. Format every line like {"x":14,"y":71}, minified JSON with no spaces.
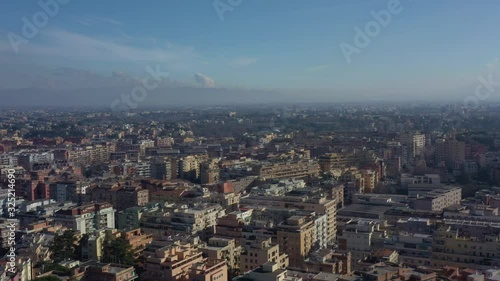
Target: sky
{"x":291,"y":46}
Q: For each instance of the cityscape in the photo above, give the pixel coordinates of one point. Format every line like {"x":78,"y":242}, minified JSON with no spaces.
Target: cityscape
{"x":195,"y":164}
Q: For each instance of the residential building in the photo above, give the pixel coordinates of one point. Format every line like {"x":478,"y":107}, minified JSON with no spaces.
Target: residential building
{"x":87,"y":218}
{"x":296,"y":238}
{"x":257,"y":252}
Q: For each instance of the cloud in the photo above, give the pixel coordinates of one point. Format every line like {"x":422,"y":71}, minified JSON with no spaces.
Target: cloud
{"x":243,"y":61}
{"x":204,"y":80}
{"x":94,"y":20}
{"x":61,"y":43}
{"x":316,"y":68}
{"x":110,"y":21}
{"x":85,"y":22}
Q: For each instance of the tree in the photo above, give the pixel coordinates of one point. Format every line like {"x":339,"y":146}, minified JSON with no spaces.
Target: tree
{"x":48,"y":266}
{"x":118,"y":251}
{"x":82,"y":244}
{"x":63,"y":247}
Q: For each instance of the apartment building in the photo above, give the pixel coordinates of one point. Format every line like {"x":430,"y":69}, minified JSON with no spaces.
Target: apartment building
{"x":137,"y":239}
{"x":92,"y":270}
{"x":130,"y":218}
{"x":189,"y":167}
{"x":291,"y":169}
{"x":201,"y":218}
{"x":87,"y":154}
{"x":87,"y":218}
{"x":415,"y":180}
{"x":414,"y":249}
{"x":415,"y":141}
{"x":332,"y":161}
{"x":93,"y":248}
{"x":359,"y":239}
{"x":161,"y":168}
{"x":197,"y":220}
{"x":327,"y":261}
{"x":63,"y":191}
{"x":209,"y":172}
{"x":231,"y":225}
{"x":209,"y":270}
{"x":268,"y":272}
{"x":121,"y":196}
{"x":31,"y":160}
{"x":257,"y":252}
{"x":383,"y":272}
{"x":450,"y":151}
{"x":219,"y":248}
{"x":452,"y":247}
{"x":438,"y":199}
{"x":131,"y":196}
{"x":182,"y":261}
{"x":301,"y":201}
{"x":296,"y":237}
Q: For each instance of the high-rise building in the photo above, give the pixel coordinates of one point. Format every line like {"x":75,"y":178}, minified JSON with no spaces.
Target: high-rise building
{"x":296,"y":238}
{"x":209,"y":172}
{"x":161,"y":168}
{"x":415,"y":141}
{"x":450,"y":151}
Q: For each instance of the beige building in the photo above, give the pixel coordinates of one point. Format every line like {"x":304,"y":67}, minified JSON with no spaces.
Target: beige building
{"x":189,"y":166}
{"x":365,"y":179}
{"x":296,"y":238}
{"x":181,"y":261}
{"x":135,"y":238}
{"x":209,"y":172}
{"x":438,"y":199}
{"x":317,"y":204}
{"x":219,"y":248}
{"x":332,"y":161}
{"x":359,"y":239}
{"x":258,"y":252}
{"x":105,"y":271}
{"x":291,"y":169}
{"x":231,"y":225}
{"x":452,"y":248}
{"x":268,"y":272}
{"x":416,"y":142}
{"x":209,"y":271}
{"x":121,"y":196}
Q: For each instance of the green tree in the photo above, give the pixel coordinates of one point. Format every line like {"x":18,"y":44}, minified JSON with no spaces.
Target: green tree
{"x":82,"y":244}
{"x":63,"y":247}
{"x":49,"y":266}
{"x":118,"y":251}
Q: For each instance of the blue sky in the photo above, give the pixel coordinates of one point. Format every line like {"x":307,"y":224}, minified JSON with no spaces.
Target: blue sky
{"x":260,"y":44}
